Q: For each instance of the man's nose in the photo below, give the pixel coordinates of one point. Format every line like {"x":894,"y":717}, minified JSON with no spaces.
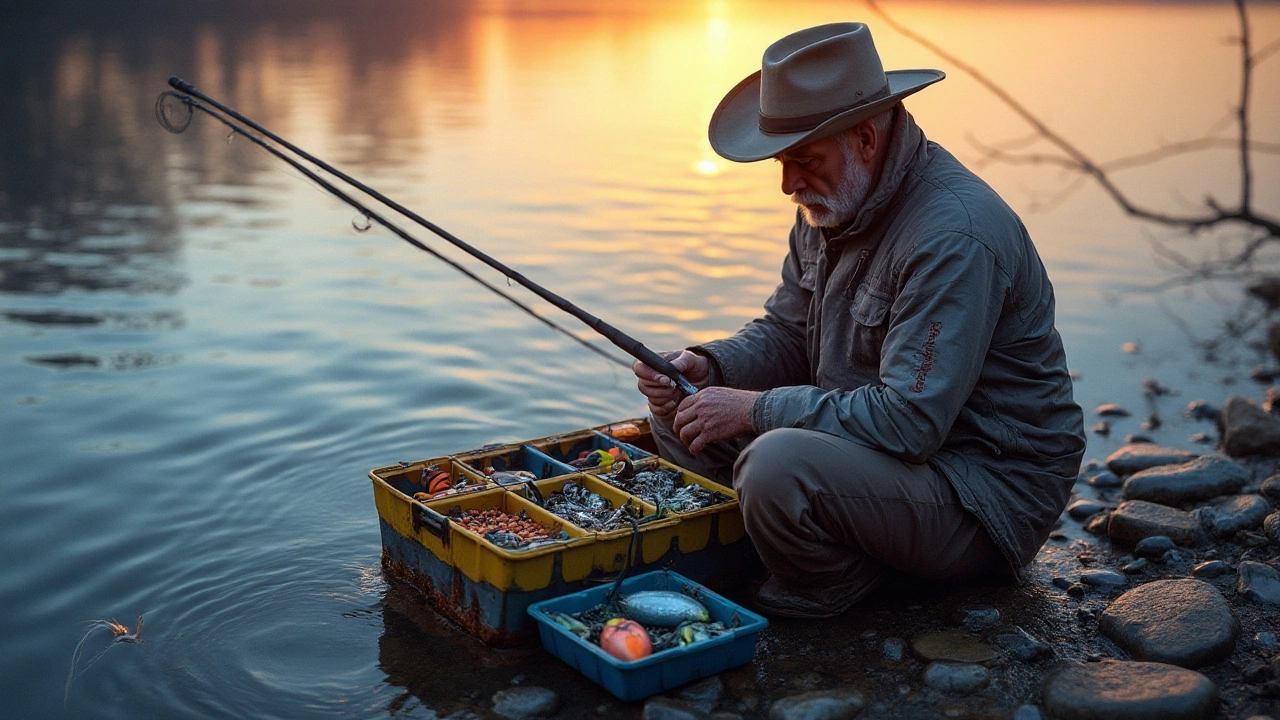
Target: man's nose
{"x":792,"y":180}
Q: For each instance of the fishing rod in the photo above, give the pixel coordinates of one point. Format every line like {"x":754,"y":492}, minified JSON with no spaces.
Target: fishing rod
{"x":194,"y":98}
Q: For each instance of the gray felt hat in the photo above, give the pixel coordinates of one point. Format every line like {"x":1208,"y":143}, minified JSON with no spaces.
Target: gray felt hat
{"x":812,"y":83}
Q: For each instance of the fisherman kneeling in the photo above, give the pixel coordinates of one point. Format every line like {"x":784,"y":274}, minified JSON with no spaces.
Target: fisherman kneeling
{"x":904,"y":401}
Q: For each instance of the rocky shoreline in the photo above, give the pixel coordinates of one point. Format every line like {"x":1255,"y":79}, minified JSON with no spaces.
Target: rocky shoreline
{"x":1157,"y":596}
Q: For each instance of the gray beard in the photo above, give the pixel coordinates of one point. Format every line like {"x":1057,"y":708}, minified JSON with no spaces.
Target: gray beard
{"x":847,"y":198}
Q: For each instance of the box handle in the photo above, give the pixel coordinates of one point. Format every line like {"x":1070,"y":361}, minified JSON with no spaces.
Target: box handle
{"x":434,"y":522}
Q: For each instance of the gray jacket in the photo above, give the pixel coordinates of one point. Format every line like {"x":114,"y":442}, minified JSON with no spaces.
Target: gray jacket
{"x":924,"y":328}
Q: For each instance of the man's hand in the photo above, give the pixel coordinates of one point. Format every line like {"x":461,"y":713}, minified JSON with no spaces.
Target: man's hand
{"x":660,"y":389}
{"x":714,"y":414}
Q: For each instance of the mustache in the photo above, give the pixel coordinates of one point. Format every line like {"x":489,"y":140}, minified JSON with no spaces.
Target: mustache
{"x":804,"y":197}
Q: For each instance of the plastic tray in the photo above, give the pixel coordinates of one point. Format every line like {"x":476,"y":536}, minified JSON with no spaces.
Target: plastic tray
{"x":663,"y":670}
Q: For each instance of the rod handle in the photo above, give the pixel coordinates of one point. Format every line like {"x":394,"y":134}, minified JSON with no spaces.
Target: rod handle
{"x":664,"y":366}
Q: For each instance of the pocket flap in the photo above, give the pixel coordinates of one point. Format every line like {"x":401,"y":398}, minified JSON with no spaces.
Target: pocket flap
{"x":869,"y":307}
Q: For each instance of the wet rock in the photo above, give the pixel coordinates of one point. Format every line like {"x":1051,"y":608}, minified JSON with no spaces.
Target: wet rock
{"x":1129,"y":691}
{"x":1264,"y":373}
{"x":705,"y":694}
{"x":1201,"y":410}
{"x":1102,"y":427}
{"x":1227,"y":516}
{"x":1104,"y":578}
{"x":665,"y":708}
{"x":979,"y":618}
{"x":819,"y":705}
{"x":961,"y":678}
{"x":894,"y":649}
{"x":1153,"y":547}
{"x":1271,"y":489}
{"x":1210,"y":570}
{"x":1057,"y":535}
{"x":1022,"y":645}
{"x":1248,"y":429}
{"x":1076,"y":590}
{"x":1140,"y":456}
{"x":1112,"y":410}
{"x":1135,"y":567}
{"x":951,"y":645}
{"x":1131,"y":438}
{"x":1131,"y":348}
{"x":1097,"y":524}
{"x":1181,"y":622}
{"x":1202,"y":439}
{"x":1258,"y":582}
{"x":1271,"y":527}
{"x":1028,"y":712}
{"x":1061,"y":583}
{"x":1199,"y":479}
{"x":1104,"y":479}
{"x":1153,"y":423}
{"x":527,"y":701}
{"x":1135,"y":520}
{"x":1081,"y":509}
{"x":1266,"y":641}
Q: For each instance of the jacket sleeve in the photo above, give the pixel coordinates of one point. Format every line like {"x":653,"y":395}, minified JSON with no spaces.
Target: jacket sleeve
{"x":949,"y":297}
{"x":771,"y":351}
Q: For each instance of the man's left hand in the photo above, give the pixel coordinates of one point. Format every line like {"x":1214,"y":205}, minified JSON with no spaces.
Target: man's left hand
{"x":714,"y":414}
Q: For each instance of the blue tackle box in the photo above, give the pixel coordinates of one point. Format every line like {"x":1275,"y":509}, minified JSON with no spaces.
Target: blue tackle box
{"x":663,"y":670}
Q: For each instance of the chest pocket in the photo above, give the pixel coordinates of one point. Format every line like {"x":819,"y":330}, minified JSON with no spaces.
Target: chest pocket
{"x":870,"y":312}
{"x":809,"y":276}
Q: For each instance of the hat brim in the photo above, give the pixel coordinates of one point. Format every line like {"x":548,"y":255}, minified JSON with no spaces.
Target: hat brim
{"x":735,"y":132}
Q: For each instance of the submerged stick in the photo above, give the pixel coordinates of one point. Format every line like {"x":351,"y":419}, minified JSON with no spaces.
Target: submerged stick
{"x":624,"y":342}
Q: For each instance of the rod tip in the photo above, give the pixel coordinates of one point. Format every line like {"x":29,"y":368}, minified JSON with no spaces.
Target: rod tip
{"x":178,"y":83}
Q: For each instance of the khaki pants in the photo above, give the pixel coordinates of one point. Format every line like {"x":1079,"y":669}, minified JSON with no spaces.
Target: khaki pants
{"x":825,"y":512}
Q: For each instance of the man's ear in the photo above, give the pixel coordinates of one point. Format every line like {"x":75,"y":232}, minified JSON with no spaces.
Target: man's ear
{"x":866,"y":141}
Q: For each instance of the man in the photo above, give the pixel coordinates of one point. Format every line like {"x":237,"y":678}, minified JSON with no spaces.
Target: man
{"x":904,"y":401}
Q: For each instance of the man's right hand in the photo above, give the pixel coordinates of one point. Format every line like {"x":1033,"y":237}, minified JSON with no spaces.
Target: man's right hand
{"x":661,"y":390}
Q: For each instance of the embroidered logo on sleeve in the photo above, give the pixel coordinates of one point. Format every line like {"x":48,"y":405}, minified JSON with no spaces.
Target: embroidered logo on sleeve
{"x":926,"y":354}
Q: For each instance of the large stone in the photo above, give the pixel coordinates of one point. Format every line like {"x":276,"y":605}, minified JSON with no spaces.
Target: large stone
{"x":1140,"y":456}
{"x":1199,"y":479}
{"x":526,"y":702}
{"x":1136,"y":519}
{"x":1242,"y":512}
{"x":962,"y":678}
{"x":951,"y":645}
{"x":1248,"y":429}
{"x":1153,"y":547}
{"x":1129,"y":691}
{"x":1181,"y":622}
{"x":836,"y":704}
{"x":1271,"y":526}
{"x":1259,"y":582}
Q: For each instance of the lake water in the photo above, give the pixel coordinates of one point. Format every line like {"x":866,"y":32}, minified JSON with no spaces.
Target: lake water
{"x":201,"y":359}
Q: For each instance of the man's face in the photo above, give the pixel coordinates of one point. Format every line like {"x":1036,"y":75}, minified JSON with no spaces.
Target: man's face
{"x":826,"y":179}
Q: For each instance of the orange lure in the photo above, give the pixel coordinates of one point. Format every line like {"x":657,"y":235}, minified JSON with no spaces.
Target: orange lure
{"x":625,"y":639}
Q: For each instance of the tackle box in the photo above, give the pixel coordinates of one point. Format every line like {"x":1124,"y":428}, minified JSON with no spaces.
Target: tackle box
{"x":487,"y":589}
{"x":663,"y":670}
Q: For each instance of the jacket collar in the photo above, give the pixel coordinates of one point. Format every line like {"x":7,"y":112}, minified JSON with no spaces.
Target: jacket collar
{"x":906,"y":145}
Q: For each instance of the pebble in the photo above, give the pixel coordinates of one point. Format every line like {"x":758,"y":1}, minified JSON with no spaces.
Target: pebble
{"x":818,"y":705}
{"x":1210,"y":570}
{"x":1182,"y":622}
{"x":1140,"y":456}
{"x":1131,"y":438}
{"x":1081,"y":509}
{"x":1199,"y":479}
{"x":950,"y":677}
{"x":1271,"y":489}
{"x":1061,"y":583}
{"x":951,"y":645}
{"x":1057,"y":535}
{"x":705,"y":694}
{"x":1028,"y":712}
{"x":1171,"y":556}
{"x":1112,"y":410}
{"x":1105,"y":479}
{"x":1103,"y":578}
{"x":1076,"y":590}
{"x":526,"y":702}
{"x":1248,"y":429}
{"x":1129,"y":691}
{"x":1097,"y":524}
{"x":1266,"y":641}
{"x":1201,"y":410}
{"x":1021,"y":644}
{"x":1271,"y":527}
{"x":1135,"y":567}
{"x":1258,"y":582}
{"x":665,"y":708}
{"x":1153,"y":547}
{"x":1227,"y":516}
{"x":895,"y":649}
{"x":979,"y":618}
{"x":1102,"y":427}
{"x":1202,"y":438}
{"x":1135,"y":520}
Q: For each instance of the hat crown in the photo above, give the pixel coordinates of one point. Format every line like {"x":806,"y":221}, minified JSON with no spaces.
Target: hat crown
{"x":818,"y":69}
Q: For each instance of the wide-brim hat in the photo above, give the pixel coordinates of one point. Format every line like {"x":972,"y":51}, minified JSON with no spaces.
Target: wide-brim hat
{"x":811,"y":84}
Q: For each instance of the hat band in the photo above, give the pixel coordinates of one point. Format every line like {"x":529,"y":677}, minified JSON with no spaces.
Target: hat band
{"x":803,"y":123}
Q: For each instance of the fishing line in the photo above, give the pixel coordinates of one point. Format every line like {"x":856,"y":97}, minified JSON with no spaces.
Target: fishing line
{"x":189,"y":94}
{"x":164,"y":114}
